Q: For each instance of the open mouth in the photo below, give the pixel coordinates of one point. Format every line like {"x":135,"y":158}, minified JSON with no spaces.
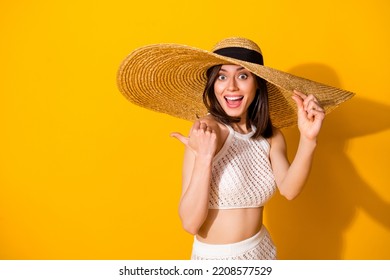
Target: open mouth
{"x":234,"y":101}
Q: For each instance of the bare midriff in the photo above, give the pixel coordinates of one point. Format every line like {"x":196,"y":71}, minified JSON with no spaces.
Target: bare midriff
{"x":223,"y":226}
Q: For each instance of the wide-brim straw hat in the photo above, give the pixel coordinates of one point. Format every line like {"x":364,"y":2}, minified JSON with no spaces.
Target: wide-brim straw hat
{"x":170,"y":78}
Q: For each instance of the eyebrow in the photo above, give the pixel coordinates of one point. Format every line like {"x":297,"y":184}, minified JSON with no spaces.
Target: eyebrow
{"x":238,"y":69}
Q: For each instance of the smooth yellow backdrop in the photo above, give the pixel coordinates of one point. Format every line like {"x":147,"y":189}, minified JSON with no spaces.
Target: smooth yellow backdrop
{"x":84,"y":174}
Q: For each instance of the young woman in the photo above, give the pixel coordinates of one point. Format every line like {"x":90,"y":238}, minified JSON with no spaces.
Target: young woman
{"x":232,"y":161}
{"x":235,"y":155}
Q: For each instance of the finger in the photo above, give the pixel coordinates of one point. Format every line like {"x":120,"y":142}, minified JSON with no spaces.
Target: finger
{"x":306,"y":98}
{"x":308,"y":103}
{"x":311,"y":103}
{"x":194,"y":129}
{"x":300,"y":94}
{"x":316,"y":113}
{"x":311,"y":114}
{"x":314,"y":105}
{"x":298,"y":100}
{"x":180,"y":137}
{"x":195,"y":126}
{"x":209,"y":131}
{"x":203,"y":126}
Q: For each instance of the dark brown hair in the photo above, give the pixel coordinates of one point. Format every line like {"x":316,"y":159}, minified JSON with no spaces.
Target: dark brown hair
{"x":258,"y":111}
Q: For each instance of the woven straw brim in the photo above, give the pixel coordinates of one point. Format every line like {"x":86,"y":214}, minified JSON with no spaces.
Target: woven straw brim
{"x":170,"y":78}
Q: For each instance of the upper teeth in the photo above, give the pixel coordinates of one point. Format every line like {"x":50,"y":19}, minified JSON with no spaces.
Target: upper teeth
{"x":233,"y":97}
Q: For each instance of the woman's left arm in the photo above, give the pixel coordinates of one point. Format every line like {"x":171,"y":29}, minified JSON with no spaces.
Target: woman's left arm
{"x":290,"y":179}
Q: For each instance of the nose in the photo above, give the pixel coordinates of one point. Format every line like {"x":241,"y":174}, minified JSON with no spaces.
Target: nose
{"x":232,"y":86}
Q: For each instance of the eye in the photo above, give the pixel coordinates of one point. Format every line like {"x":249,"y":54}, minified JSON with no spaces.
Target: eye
{"x":243,"y":76}
{"x":221,"y":77}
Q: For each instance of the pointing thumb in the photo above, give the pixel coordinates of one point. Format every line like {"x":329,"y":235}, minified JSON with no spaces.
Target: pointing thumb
{"x":180,"y":137}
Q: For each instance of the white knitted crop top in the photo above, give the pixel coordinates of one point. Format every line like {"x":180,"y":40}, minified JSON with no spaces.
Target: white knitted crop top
{"x":241,"y":174}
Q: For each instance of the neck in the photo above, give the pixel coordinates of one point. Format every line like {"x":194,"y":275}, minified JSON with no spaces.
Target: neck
{"x":241,"y":127}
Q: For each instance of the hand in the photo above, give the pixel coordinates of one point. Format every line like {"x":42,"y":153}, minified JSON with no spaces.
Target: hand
{"x":310,"y":114}
{"x":202,"y":139}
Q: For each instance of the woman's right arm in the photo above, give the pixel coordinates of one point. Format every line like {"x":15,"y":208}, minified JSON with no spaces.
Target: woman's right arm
{"x":199,"y":153}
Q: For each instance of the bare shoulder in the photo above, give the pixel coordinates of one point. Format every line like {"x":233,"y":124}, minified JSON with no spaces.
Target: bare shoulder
{"x":277,"y":140}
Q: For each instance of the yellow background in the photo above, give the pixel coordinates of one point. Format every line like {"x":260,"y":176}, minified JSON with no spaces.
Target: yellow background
{"x":84,"y":174}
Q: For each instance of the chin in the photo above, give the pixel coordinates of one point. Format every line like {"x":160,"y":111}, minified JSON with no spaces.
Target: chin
{"x":233,"y":114}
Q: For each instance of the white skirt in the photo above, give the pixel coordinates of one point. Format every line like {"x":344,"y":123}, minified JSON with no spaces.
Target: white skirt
{"x":258,"y":247}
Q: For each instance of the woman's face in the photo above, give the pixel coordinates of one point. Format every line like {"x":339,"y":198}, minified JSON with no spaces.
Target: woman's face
{"x":235,"y":89}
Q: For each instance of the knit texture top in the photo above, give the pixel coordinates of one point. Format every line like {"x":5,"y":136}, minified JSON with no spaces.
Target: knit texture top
{"x":241,"y":174}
